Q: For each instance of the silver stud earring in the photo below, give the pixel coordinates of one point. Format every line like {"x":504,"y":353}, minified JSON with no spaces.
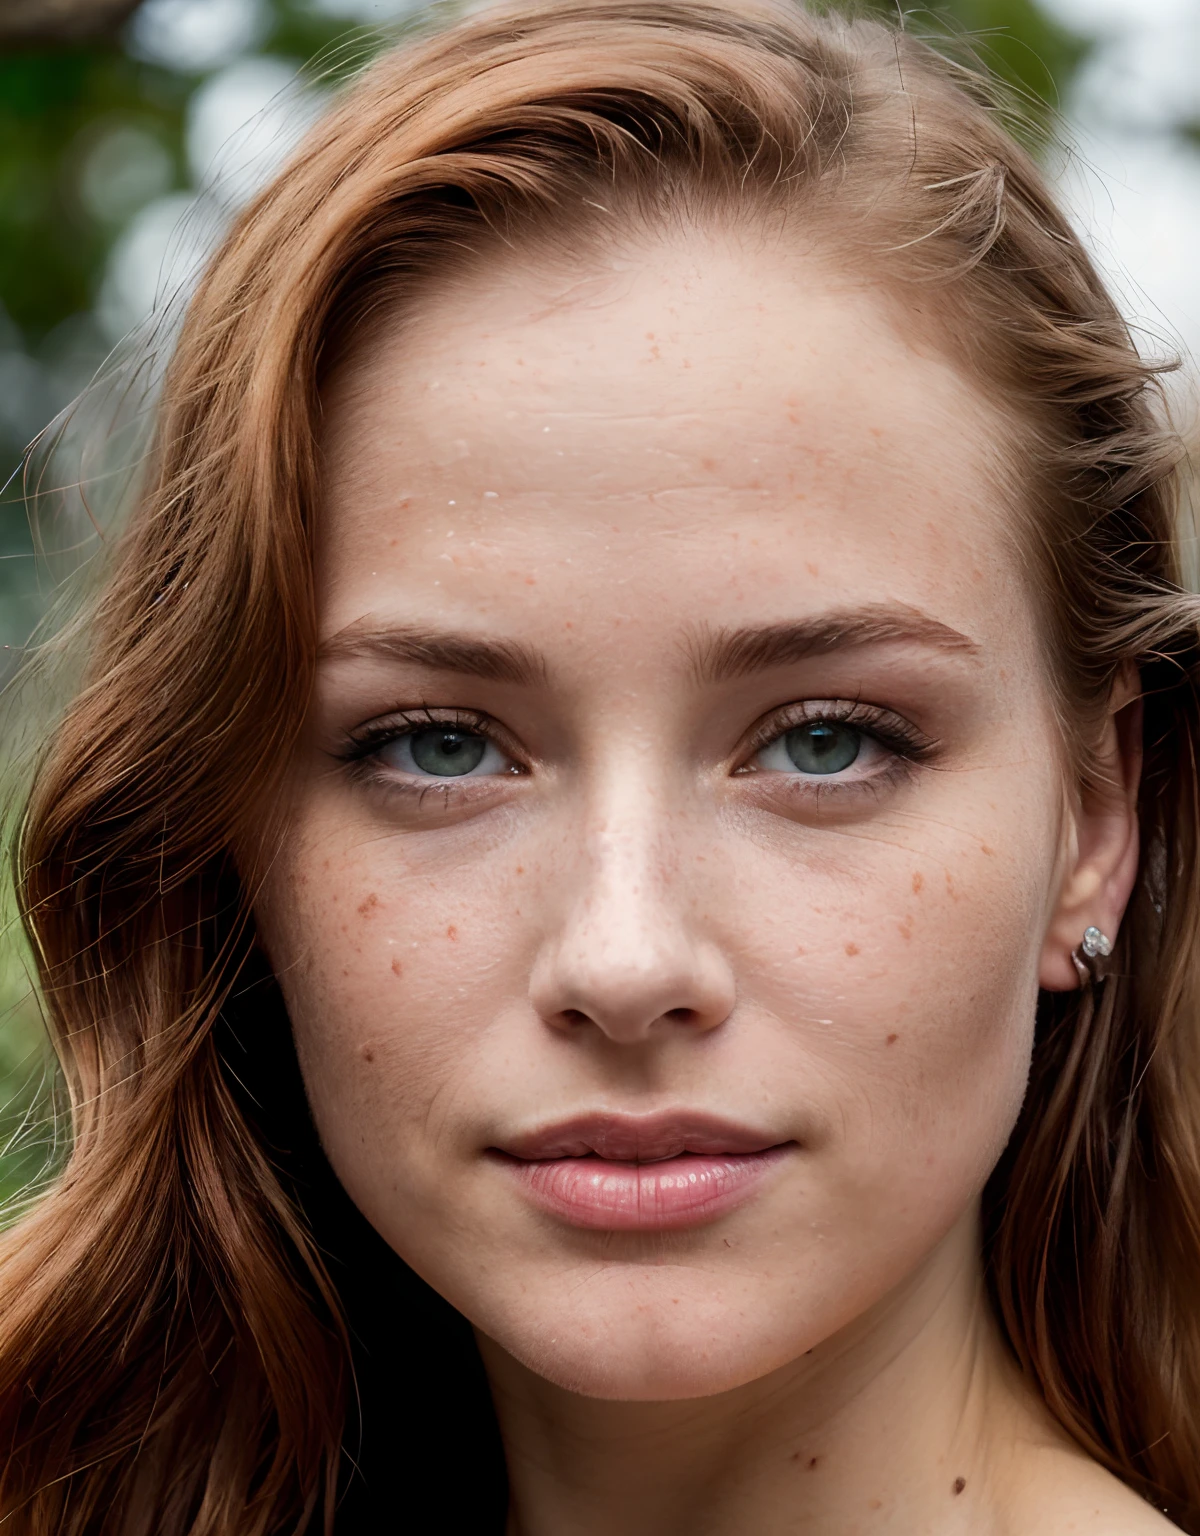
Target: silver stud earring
{"x":1095,"y":944}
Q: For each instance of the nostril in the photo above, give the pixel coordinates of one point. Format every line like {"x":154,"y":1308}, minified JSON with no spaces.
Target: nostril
{"x":681,"y":1015}
{"x":574,"y":1016}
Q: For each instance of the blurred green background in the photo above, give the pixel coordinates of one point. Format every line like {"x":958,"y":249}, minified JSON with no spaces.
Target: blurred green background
{"x":123,"y":147}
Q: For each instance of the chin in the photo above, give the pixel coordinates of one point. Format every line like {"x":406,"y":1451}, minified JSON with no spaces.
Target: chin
{"x":624,"y":1344}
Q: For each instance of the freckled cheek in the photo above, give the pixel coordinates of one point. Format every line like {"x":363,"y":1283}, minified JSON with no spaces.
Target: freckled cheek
{"x":921,"y":964}
{"x":388,"y":980}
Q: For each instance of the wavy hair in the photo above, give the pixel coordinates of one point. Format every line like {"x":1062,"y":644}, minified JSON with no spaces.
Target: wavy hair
{"x":173,"y":1353}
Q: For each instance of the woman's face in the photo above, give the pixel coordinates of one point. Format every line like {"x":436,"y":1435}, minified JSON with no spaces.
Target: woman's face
{"x":680,"y":820}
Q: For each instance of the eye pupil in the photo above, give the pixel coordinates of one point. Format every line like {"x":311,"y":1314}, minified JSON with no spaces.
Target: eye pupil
{"x":446,"y":752}
{"x":823,"y":746}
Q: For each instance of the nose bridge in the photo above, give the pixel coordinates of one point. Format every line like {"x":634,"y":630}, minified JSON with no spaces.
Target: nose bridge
{"x":626,"y":952}
{"x":630,"y":891}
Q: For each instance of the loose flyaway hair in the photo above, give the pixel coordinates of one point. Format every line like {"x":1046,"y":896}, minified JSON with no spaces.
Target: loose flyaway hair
{"x":173,"y":1355}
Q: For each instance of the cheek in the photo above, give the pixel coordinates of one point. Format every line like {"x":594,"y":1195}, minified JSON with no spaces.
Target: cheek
{"x":901,"y":964}
{"x":390,"y":976}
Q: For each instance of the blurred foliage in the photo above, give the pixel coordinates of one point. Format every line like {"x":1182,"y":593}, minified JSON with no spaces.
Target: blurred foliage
{"x":90,"y":134}
{"x":1019,"y":43}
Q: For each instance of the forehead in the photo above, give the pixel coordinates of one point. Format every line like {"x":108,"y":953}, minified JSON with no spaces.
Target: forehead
{"x":722,"y":413}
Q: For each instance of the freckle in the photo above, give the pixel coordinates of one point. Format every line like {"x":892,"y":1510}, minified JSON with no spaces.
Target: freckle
{"x":918,"y":881}
{"x":891,"y":1039}
{"x":397,"y":968}
{"x":875,"y":1504}
{"x":520,"y":869}
{"x":812,"y":1463}
{"x":452,"y":933}
{"x":366,"y":907}
{"x":708,"y":464}
{"x":812,"y":568}
{"x":983,"y":848}
{"x":367,"y":1053}
{"x":906,"y":928}
{"x":531,"y":581}
{"x":852,"y":949}
{"x":959,"y":1484}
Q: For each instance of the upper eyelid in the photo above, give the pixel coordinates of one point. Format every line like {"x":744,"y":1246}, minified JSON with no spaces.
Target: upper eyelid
{"x":405,"y":721}
{"x":844,"y":711}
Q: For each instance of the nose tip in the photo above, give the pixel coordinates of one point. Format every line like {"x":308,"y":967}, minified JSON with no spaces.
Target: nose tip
{"x":630,"y":995}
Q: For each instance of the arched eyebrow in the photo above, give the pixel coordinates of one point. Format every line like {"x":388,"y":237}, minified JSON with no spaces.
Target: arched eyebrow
{"x":500,"y":661}
{"x":722,"y":654}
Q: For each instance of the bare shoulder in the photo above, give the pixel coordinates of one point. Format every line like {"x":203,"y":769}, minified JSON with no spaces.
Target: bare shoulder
{"x":1063,"y":1492}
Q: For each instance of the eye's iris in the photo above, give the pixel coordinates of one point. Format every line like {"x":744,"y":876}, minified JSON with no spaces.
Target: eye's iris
{"x":446,"y":752}
{"x":823,"y":746}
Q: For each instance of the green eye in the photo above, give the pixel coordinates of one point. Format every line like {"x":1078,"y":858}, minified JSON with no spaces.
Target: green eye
{"x":444,"y":752}
{"x":823,"y":746}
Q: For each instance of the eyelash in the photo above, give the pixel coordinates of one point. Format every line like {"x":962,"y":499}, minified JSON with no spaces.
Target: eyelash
{"x":361,"y":745}
{"x":905,"y":743}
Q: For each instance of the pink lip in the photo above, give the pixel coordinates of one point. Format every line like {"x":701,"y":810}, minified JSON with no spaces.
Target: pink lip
{"x":626,"y":1173}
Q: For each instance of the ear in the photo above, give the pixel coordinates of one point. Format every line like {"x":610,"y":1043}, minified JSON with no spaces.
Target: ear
{"x":1102,"y":842}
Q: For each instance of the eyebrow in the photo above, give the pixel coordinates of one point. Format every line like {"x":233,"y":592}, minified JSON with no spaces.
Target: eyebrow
{"x":716,"y":655}
{"x":500,"y":661}
{"x":720,"y":655}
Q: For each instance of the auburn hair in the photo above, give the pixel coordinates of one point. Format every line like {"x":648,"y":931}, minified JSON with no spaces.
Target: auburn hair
{"x":173,"y":1352}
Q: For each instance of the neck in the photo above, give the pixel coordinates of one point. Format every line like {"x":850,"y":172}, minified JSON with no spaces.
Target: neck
{"x":909,"y":1419}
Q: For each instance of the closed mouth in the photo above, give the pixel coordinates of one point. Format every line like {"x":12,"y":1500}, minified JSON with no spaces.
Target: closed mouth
{"x":630,"y":1173}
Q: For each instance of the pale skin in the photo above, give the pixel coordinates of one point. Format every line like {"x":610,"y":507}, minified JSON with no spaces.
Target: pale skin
{"x":638,"y":901}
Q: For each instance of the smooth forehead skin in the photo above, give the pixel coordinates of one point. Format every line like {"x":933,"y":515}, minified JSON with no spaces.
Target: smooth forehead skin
{"x":677,"y":399}
{"x":604,"y":470}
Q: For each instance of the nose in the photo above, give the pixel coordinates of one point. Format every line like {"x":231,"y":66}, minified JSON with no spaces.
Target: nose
{"x":626,"y":956}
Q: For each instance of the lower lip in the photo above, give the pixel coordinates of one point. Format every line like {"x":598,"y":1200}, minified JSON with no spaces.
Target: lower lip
{"x":683,"y":1191}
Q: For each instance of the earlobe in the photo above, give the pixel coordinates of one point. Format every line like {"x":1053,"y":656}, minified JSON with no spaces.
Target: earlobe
{"x":1102,"y":863}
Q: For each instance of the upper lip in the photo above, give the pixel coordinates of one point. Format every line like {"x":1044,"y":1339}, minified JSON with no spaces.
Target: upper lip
{"x":639,"y":1138}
